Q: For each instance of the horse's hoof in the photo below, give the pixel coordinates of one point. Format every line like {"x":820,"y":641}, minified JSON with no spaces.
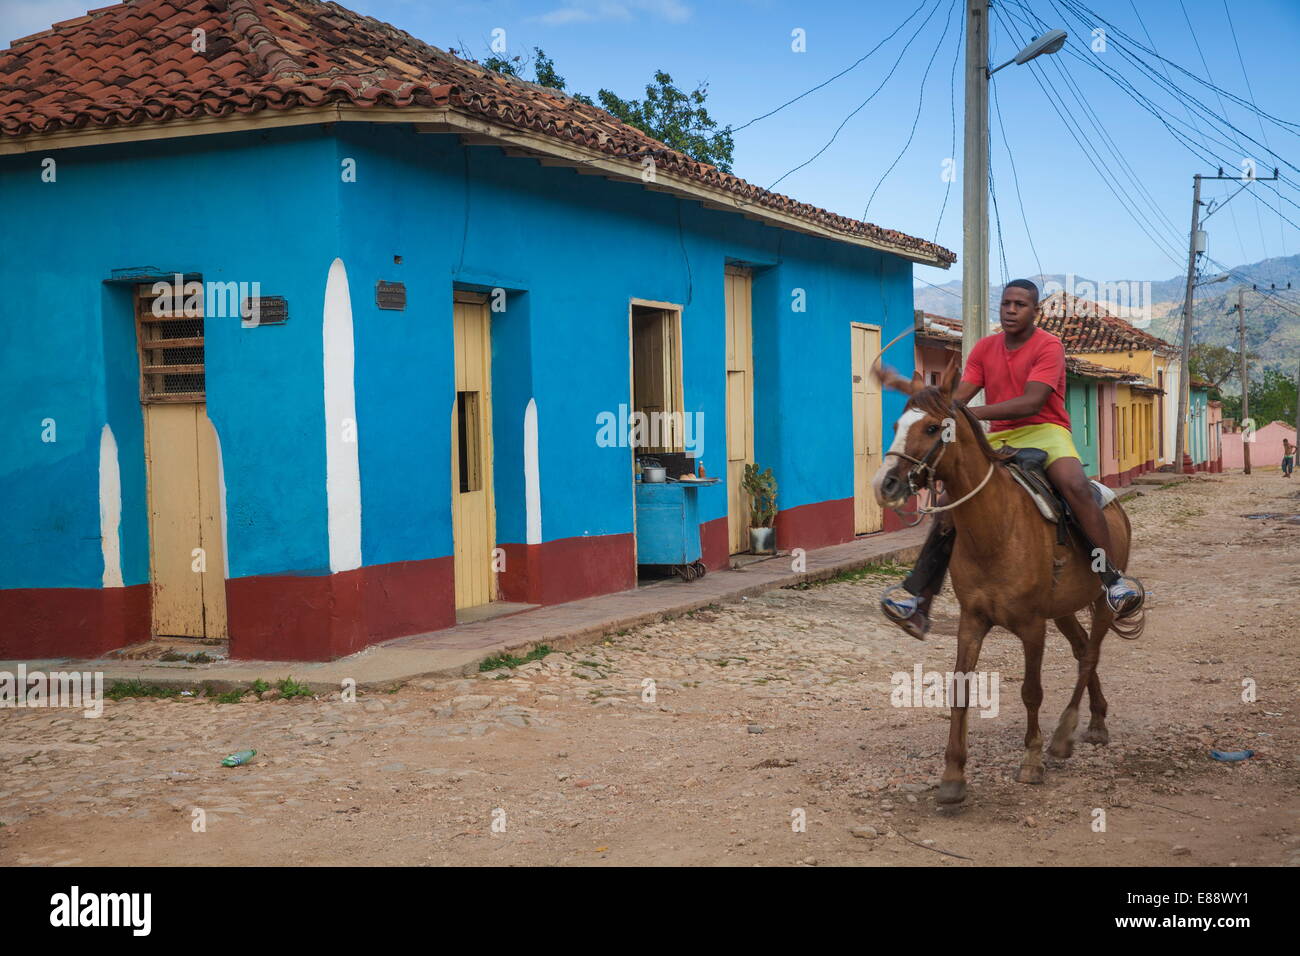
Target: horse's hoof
{"x":1096,"y":735}
{"x":1061,"y":747}
{"x":952,"y":791}
{"x":1030,"y":773}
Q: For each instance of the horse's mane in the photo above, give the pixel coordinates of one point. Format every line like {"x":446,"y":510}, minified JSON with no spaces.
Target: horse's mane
{"x":934,"y":402}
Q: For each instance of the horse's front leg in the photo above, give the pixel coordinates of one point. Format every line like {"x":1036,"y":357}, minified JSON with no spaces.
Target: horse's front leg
{"x":1032,"y":637}
{"x":970,"y":637}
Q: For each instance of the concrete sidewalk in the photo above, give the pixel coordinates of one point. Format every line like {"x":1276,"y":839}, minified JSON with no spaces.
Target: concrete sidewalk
{"x":458,"y":650}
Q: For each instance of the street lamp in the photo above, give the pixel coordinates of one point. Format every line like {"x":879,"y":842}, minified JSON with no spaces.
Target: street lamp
{"x":1049,"y":42}
{"x":975,"y":175}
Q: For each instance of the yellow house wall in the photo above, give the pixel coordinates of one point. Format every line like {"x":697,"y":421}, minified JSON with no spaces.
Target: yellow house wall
{"x":1139,"y":439}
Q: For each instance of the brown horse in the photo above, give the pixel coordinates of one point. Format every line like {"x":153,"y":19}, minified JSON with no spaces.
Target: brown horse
{"x":1007,"y":568}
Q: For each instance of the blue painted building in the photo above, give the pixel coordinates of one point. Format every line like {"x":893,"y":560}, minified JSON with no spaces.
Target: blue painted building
{"x":388,"y":215}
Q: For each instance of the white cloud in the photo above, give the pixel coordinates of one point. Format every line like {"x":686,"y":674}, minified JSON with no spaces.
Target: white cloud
{"x":590,"y":11}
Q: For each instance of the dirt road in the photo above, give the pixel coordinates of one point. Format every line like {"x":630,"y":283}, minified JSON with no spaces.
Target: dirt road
{"x":766,"y":714}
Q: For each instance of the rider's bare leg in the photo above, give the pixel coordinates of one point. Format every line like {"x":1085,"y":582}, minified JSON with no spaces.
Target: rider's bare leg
{"x":1125,"y":595}
{"x":1068,"y":476}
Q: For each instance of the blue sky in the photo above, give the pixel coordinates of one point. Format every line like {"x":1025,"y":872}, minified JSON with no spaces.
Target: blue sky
{"x":743,"y":48}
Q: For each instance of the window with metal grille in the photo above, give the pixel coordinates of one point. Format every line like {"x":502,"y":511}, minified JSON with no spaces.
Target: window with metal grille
{"x":171,"y":351}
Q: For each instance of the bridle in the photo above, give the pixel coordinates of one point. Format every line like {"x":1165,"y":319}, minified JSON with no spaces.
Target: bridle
{"x":922,"y":471}
{"x":922,"y":475}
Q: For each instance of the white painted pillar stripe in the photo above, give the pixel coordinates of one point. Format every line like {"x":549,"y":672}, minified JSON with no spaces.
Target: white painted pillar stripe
{"x":110,"y":509}
{"x":532,"y":476}
{"x":342,"y":464}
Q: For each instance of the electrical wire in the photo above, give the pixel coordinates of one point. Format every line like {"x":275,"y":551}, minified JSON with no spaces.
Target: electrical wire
{"x":863,"y":104}
{"x":1091,"y":154}
{"x":824,"y":83}
{"x":920,"y":100}
{"x":1015,"y":178}
{"x":1241,"y":62}
{"x":952,"y":113}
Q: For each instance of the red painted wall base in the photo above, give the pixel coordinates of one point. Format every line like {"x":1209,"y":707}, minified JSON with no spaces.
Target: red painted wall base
{"x":715,"y":544}
{"x":568,"y":569}
{"x":71,"y":622}
{"x":816,"y":525}
{"x":320,"y":618}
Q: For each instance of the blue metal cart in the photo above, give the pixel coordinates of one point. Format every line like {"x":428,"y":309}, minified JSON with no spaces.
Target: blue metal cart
{"x":668,"y":526}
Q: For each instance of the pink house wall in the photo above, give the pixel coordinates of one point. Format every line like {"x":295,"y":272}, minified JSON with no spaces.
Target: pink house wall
{"x":1107,"y":462}
{"x":1214,"y":422}
{"x":933,"y":359}
{"x":1265,"y":450}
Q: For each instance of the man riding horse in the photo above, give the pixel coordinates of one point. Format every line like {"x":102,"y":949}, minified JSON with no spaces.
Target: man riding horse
{"x":1022,"y":373}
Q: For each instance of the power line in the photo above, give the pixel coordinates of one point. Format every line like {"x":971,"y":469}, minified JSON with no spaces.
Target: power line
{"x":952,"y":112}
{"x":945,"y":292}
{"x":861,"y":105}
{"x":1159,"y":113}
{"x":848,"y":69}
{"x":1232,"y":213}
{"x":1294,"y":128}
{"x":925,"y":77}
{"x":1074,"y":6}
{"x":1015,"y":178}
{"x":1241,"y":61}
{"x":1091,"y":154}
{"x":1115,"y":151}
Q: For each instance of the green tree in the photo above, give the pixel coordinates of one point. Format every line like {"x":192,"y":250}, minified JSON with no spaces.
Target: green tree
{"x":1272,"y":398}
{"x":1215,"y":363}
{"x":675,"y":117}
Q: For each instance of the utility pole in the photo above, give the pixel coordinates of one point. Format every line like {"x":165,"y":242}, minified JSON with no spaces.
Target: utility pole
{"x":1196,"y":240}
{"x":1296,"y":452}
{"x":1180,"y":444}
{"x":975,"y":181}
{"x":975,"y":166}
{"x":1245,"y":380}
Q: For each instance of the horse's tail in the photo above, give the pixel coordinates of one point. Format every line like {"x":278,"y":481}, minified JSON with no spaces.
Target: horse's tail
{"x":1131,"y":626}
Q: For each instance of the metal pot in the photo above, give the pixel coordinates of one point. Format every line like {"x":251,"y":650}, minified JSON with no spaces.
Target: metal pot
{"x":653,"y":474}
{"x":762,"y":540}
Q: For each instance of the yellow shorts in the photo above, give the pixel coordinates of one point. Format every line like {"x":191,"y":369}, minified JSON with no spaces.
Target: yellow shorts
{"x":1053,"y":439}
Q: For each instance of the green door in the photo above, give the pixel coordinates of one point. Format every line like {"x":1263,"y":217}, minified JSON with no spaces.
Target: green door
{"x":1079,"y":404}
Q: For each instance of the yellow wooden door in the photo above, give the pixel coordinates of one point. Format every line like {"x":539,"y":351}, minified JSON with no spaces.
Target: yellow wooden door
{"x":740,"y":404}
{"x":867,"y":515}
{"x":472,"y":514}
{"x":186,"y":551}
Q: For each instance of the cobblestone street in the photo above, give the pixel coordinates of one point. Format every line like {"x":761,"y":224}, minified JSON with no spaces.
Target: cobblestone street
{"x":764,"y":712}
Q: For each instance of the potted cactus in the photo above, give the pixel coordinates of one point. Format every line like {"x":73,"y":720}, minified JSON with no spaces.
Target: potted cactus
{"x":761,"y":488}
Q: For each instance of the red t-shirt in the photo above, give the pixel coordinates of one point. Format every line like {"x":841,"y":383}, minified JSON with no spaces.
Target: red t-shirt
{"x":1005,"y":374}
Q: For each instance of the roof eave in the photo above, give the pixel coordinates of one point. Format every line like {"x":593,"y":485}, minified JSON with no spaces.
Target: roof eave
{"x":476,"y":131}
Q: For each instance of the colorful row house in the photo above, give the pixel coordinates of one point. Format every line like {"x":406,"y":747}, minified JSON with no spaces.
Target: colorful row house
{"x":341,"y":336}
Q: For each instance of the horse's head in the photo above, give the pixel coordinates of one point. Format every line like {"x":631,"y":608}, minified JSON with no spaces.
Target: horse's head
{"x":921,"y":435}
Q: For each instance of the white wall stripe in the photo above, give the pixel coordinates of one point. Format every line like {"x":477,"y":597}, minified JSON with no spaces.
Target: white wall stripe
{"x":110,"y":509}
{"x":342,"y":464}
{"x":532,"y":476}
{"x":221,"y":498}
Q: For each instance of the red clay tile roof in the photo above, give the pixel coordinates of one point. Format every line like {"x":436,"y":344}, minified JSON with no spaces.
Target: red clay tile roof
{"x":1085,"y":369}
{"x":938,"y":329}
{"x":132,"y":63}
{"x":1086,"y":326}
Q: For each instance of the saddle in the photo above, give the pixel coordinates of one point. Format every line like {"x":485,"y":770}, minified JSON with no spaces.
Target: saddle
{"x":1029,"y":468}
